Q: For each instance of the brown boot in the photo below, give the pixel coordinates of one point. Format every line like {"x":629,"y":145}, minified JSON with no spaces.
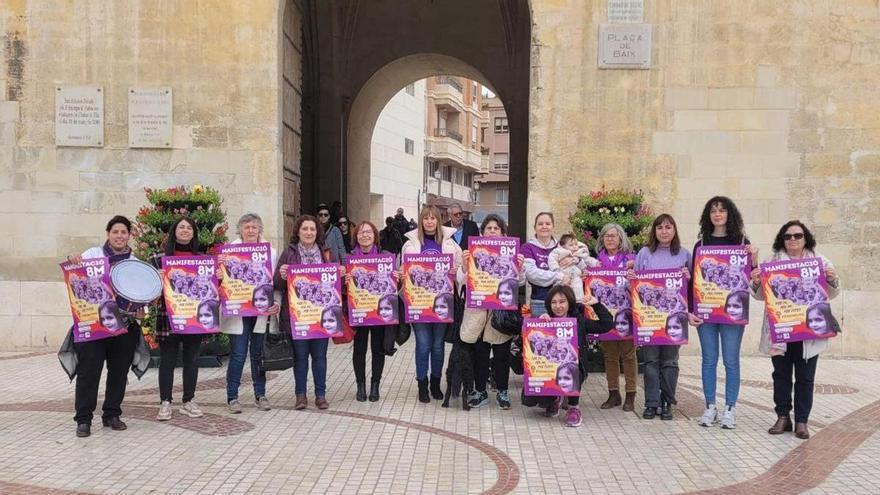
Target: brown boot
{"x":321,"y":402}
{"x":783,"y":424}
{"x":629,"y":401}
{"x":801,"y":431}
{"x":613,"y":400}
{"x":301,"y":402}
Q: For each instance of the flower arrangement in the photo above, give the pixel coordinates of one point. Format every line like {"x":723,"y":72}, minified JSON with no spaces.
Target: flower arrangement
{"x":626,"y":208}
{"x":201,"y":204}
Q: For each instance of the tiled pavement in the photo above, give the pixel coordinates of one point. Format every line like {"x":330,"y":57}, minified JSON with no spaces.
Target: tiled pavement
{"x":398,"y":445}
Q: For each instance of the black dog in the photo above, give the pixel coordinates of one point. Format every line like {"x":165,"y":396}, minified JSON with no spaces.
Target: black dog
{"x":460,"y":373}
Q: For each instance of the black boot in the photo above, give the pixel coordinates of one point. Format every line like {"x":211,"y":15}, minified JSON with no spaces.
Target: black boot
{"x":374,"y":390}
{"x":423,"y":391}
{"x":83,"y":430}
{"x":667,"y":411}
{"x":436,"y":393}
{"x":361,"y":392}
{"x":650,"y":413}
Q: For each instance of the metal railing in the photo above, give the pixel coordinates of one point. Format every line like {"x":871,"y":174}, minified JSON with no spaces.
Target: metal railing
{"x":451,"y":81}
{"x":443,"y":132}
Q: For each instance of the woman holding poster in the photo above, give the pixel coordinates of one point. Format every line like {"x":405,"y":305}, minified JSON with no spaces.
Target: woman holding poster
{"x":367,"y":283}
{"x":182,"y":240}
{"x":563,"y":304}
{"x":616,"y":252}
{"x":306,"y":248}
{"x":476,"y":327}
{"x":663,"y":251}
{"x":430,"y":237}
{"x":118,"y":351}
{"x":794,"y":241}
{"x":719,"y":297}
{"x":248,"y":332}
{"x":537,"y":255}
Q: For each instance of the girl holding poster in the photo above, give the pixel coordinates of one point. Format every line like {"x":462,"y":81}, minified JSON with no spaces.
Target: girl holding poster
{"x":247,"y":333}
{"x":477,"y":330}
{"x":719,"y":297}
{"x":615,"y":252}
{"x":563,"y":304}
{"x":430,"y":237}
{"x":371,"y":279}
{"x":182,"y":240}
{"x":118,"y":349}
{"x":663,"y":252}
{"x":306,"y":248}
{"x":794,"y":241}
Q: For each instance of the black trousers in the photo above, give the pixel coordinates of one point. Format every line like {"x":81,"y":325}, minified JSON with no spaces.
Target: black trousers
{"x":118,"y":352}
{"x":500,"y":364}
{"x":168,"y":348}
{"x":376,"y":335}
{"x":804,"y":374}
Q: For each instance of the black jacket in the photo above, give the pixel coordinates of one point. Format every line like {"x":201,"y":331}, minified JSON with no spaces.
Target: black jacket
{"x":469,"y":229}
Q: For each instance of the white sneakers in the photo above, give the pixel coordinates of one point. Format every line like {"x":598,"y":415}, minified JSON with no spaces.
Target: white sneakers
{"x":191,"y":409}
{"x":710,"y":417}
{"x":728,"y":422}
{"x":164,"y":411}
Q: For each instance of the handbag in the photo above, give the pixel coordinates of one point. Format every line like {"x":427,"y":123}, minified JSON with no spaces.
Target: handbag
{"x":404,"y":330}
{"x":508,"y":322}
{"x":277,"y":350}
{"x":347,"y":333}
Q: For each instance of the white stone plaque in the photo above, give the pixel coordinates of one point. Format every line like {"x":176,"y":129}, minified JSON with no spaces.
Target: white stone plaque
{"x":150,"y":121}
{"x":624,"y":46}
{"x":626,"y":11}
{"x":79,"y":116}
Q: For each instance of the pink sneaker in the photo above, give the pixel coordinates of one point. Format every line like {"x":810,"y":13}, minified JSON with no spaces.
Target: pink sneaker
{"x":552,"y":409}
{"x":573,"y":418}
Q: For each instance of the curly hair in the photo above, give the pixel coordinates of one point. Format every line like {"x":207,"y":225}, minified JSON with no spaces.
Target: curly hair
{"x":319,"y":238}
{"x":734,"y":227}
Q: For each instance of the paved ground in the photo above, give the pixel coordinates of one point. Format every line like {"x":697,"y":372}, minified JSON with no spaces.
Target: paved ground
{"x":398,"y":445}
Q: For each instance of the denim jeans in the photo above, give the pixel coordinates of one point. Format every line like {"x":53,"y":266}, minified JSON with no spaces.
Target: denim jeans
{"x":429,"y":346}
{"x":730,"y":337}
{"x":317,"y":350}
{"x":239,"y":345}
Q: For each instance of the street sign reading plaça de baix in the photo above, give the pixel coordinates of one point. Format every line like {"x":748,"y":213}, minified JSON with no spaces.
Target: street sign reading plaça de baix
{"x":624,"y":46}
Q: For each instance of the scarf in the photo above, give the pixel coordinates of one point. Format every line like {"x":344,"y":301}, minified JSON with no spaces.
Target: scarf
{"x":115,"y":258}
{"x":619,"y":260}
{"x":358,"y":250}
{"x":309,"y":256}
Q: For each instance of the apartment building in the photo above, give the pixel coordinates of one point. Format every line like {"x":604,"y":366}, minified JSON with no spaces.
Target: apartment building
{"x":492,"y":183}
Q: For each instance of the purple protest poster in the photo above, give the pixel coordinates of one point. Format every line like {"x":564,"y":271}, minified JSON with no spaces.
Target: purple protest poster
{"x":246,"y":286}
{"x":721,"y":284}
{"x":191,"y":294}
{"x":314,"y":293}
{"x":660,"y":311}
{"x":372,"y":290}
{"x":492,"y":274}
{"x":796,"y":296}
{"x":428,"y":288}
{"x":550,"y":357}
{"x":611,"y":288}
{"x":93,"y":305}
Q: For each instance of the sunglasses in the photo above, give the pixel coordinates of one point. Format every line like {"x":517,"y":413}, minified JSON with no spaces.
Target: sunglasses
{"x":457,"y":214}
{"x":342,"y":222}
{"x":323,"y":214}
{"x":789,"y":237}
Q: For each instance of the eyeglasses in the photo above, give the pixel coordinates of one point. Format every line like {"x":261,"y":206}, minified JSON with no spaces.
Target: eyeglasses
{"x":457,"y":214}
{"x":341,"y":222}
{"x":798,"y":236}
{"x":323,"y":214}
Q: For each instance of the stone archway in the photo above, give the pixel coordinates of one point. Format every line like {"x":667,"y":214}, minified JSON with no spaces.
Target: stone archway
{"x":368,"y":105}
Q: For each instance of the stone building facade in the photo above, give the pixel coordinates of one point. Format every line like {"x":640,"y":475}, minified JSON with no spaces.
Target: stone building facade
{"x":772,"y":103}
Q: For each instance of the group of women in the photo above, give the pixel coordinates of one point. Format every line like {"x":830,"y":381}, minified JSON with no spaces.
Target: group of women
{"x":551,"y":295}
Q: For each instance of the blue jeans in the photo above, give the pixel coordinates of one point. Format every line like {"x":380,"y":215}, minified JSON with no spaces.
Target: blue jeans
{"x":239,"y":345}
{"x":730,"y":337}
{"x":429,"y":346}
{"x":302,"y":350}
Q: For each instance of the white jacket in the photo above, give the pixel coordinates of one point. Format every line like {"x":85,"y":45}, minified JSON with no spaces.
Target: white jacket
{"x":233,"y":324}
{"x":811,"y":347}
{"x":414,"y":246}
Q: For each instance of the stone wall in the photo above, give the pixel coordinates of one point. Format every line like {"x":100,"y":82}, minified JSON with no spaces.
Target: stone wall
{"x":221,"y":59}
{"x":774,"y":104}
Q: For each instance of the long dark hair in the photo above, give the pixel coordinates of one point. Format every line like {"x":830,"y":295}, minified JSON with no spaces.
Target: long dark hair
{"x":171,"y":240}
{"x":569,"y":296}
{"x":809,"y":240}
{"x":734,"y":226}
{"x":654,"y":243}
{"x":319,"y":238}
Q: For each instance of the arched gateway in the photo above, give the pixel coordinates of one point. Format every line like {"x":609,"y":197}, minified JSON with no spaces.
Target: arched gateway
{"x":354,"y":55}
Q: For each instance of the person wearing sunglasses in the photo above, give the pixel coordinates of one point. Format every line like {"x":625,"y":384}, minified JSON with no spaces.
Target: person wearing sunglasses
{"x":333,"y":238}
{"x":464,"y":228}
{"x":793,"y":241}
{"x":345,"y":227}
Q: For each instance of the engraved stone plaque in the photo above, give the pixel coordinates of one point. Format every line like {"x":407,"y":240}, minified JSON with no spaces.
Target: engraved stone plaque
{"x":626,"y":11}
{"x":150,"y":123}
{"x":624,"y":46}
{"x":79,"y":116}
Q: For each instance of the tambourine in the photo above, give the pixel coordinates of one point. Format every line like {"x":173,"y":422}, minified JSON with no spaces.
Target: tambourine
{"x":138,"y":283}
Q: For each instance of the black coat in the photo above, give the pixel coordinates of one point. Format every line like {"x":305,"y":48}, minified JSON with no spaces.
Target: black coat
{"x":469,"y":229}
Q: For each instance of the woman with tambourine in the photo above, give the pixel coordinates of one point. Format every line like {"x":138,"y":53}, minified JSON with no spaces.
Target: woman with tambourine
{"x":118,"y":351}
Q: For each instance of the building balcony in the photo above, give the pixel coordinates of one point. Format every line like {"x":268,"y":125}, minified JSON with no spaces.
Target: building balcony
{"x":446,"y":145}
{"x":450,"y":81}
